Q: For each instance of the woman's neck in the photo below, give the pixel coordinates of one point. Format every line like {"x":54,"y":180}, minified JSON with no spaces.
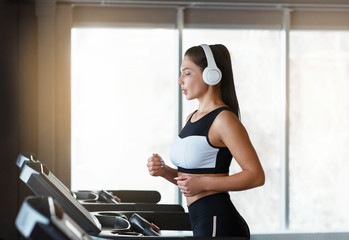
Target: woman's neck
{"x":209,"y":102}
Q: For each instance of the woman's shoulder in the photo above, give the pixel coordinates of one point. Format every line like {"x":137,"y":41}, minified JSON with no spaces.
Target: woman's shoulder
{"x":226,"y":113}
{"x":227,"y":117}
{"x":228,"y":126}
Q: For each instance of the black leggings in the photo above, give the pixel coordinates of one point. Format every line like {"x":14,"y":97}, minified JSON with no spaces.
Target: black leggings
{"x":215,"y":216}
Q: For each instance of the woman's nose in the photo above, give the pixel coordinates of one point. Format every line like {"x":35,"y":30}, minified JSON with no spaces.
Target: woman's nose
{"x":180,"y":81}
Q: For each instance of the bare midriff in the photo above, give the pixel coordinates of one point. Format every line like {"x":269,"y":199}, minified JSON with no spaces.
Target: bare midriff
{"x":192,"y":199}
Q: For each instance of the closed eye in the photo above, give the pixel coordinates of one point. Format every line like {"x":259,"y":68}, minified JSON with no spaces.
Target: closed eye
{"x":186,"y":71}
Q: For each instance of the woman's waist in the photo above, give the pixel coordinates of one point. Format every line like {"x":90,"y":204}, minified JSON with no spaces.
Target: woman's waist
{"x":202,"y":194}
{"x":213,"y":204}
{"x":192,"y":199}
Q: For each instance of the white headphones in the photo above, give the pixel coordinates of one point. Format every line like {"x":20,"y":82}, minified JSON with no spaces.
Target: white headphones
{"x":211,"y":74}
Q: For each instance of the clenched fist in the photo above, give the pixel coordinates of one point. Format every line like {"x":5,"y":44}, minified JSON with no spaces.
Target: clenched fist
{"x":156,"y":166}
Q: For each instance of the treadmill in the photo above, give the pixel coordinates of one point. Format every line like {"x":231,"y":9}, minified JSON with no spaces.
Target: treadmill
{"x":115,"y":200}
{"x":43,"y":218}
{"x":101,"y":224}
{"x":110,"y":200}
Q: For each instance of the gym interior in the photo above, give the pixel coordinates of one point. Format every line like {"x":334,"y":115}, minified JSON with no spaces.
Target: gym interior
{"x":89,"y":91}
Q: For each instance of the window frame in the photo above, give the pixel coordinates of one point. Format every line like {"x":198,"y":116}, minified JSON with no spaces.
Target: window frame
{"x":296,"y":16}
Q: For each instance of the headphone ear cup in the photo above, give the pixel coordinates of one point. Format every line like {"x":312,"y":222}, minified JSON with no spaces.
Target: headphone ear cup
{"x":212,"y":76}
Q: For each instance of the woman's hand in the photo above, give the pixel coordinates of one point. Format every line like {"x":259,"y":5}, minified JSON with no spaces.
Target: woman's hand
{"x":190,"y":185}
{"x":156,"y":166}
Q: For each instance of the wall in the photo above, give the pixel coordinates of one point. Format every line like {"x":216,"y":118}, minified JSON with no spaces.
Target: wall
{"x":18,"y":71}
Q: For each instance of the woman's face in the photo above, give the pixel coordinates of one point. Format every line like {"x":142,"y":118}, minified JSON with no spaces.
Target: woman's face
{"x":192,"y":84}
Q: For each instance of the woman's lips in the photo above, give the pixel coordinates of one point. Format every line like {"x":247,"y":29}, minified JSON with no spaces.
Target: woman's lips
{"x":184,"y":91}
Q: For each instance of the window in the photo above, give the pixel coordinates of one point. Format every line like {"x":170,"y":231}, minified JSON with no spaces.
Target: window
{"x":123,"y":98}
{"x":319,"y":132}
{"x":255,"y":58}
{"x":124,"y":88}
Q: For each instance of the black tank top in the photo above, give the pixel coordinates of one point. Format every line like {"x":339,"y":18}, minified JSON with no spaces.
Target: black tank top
{"x":192,"y":152}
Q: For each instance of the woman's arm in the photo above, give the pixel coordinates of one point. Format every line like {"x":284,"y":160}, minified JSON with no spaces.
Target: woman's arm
{"x":231,"y":133}
{"x":157,"y":167}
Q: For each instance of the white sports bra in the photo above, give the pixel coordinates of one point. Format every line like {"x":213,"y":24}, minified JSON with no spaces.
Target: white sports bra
{"x":192,"y":152}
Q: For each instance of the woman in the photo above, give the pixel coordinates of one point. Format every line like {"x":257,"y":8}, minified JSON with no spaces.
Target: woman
{"x":202,"y":152}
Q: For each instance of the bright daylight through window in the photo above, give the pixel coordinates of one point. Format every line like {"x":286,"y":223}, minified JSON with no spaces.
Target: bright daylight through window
{"x":123,"y":91}
{"x":124,"y":83}
{"x":319,"y":133}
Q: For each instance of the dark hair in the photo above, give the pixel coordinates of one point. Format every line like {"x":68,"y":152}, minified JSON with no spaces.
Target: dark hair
{"x":223,"y":62}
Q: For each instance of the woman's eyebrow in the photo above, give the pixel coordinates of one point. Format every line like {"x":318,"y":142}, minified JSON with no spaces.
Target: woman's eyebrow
{"x":186,"y":68}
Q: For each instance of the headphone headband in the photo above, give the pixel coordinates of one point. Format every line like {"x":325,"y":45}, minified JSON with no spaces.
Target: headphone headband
{"x":212,"y":74}
{"x":209,"y":56}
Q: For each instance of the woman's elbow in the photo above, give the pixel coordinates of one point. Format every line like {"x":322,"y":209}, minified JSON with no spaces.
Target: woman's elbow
{"x":257,"y":178}
{"x":260,"y":179}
